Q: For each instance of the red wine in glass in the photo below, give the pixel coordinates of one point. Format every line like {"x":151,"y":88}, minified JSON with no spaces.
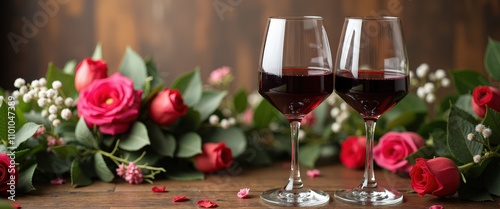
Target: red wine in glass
{"x":371,"y":92}
{"x":297,"y":91}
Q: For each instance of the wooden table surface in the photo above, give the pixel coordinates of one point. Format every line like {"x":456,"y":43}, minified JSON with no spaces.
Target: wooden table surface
{"x":222,"y":189}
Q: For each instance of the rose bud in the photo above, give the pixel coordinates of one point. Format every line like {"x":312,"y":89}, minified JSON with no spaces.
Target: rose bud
{"x":483,"y":96}
{"x":353,"y":152}
{"x":167,"y":107}
{"x":393,"y":148}
{"x":439,"y":176}
{"x":89,"y":70}
{"x":215,"y":156}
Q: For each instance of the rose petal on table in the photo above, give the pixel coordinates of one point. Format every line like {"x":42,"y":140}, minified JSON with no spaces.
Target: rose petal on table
{"x":243,"y":193}
{"x":57,"y":181}
{"x":159,"y":189}
{"x":436,"y":207}
{"x":16,"y":206}
{"x":180,"y":199}
{"x":207,"y":204}
{"x":313,"y":173}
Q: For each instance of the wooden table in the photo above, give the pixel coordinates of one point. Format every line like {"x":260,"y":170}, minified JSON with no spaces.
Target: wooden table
{"x":222,"y":189}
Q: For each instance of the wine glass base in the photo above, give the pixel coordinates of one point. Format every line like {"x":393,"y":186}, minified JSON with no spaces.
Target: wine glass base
{"x":304,"y":198}
{"x":369,"y":196}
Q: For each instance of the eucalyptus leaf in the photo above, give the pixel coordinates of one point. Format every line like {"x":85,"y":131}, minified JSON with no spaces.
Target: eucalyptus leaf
{"x":309,"y":154}
{"x":187,"y":123}
{"x":492,"y":121}
{"x":133,"y":67}
{"x":409,"y":112}
{"x":84,"y":136}
{"x":102,"y":169}
{"x":97,"y":55}
{"x":240,"y":101}
{"x":467,"y":80}
{"x":78,"y":177}
{"x":190,"y":87}
{"x":70,"y":67}
{"x":25,"y":179}
{"x":186,"y":176}
{"x":163,"y":144}
{"x":209,"y":102}
{"x":233,"y":137}
{"x":66,"y":151}
{"x":322,"y":113}
{"x":27,"y":131}
{"x":136,"y":138}
{"x":4,"y":123}
{"x":264,"y":114}
{"x":153,"y":73}
{"x":189,"y":145}
{"x":460,"y":124}
{"x":68,"y":81}
{"x":492,"y":58}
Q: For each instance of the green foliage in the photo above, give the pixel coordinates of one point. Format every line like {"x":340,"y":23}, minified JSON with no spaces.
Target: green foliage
{"x":264,"y":114}
{"x":240,"y":101}
{"x":25,"y":179}
{"x":209,"y":102}
{"x":25,"y":132}
{"x":492,"y":58}
{"x":308,"y":154}
{"x":467,"y":80}
{"x":162,"y":143}
{"x":233,"y":137}
{"x":102,"y":169}
{"x":190,"y":86}
{"x":136,"y":138}
{"x":492,"y":121}
{"x":460,"y":124}
{"x":68,"y":81}
{"x":189,"y":145}
{"x":78,"y":177}
{"x":133,"y":66}
{"x":97,"y":55}
{"x":84,"y":136}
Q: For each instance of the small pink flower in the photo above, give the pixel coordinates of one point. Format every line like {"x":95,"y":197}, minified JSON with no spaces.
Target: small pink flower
{"x":247,"y":117}
{"x":243,"y":193}
{"x":309,"y":119}
{"x":159,"y":189}
{"x":207,"y":204}
{"x":57,"y":181}
{"x":436,"y":207}
{"x":133,"y":174}
{"x":180,"y":199}
{"x":54,"y":141}
{"x":39,"y":132}
{"x":313,"y":173}
{"x":217,"y":76}
{"x":120,"y":171}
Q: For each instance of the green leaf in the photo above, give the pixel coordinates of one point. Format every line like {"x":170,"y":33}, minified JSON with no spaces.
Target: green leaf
{"x":464,"y":102}
{"x":153,"y":73}
{"x":189,"y":145}
{"x":467,"y":80}
{"x":27,"y":131}
{"x":6,"y":204}
{"x":78,"y":177}
{"x":240,"y":101}
{"x":233,"y":137}
{"x":187,"y":123}
{"x":136,"y":138}
{"x":492,"y":121}
{"x":308,"y":155}
{"x":209,"y":102}
{"x":409,"y":112}
{"x":70,"y":67}
{"x":102,"y":169}
{"x":439,"y":138}
{"x":426,"y":152}
{"x":66,"y":151}
{"x":133,"y":67}
{"x":190,"y":87}
{"x":68,"y":81}
{"x":322,"y":113}
{"x":473,"y":191}
{"x":25,"y":182}
{"x":186,"y":176}
{"x":97,"y":55}
{"x":4,"y":123}
{"x":492,"y":178}
{"x":163,"y":144}
{"x":492,"y":59}
{"x":264,"y":114}
{"x":460,"y":124}
{"x":84,"y":136}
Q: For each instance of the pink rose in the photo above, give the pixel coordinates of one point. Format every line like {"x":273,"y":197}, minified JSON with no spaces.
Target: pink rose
{"x":217,"y":76}
{"x":89,"y":70}
{"x":439,"y":176}
{"x":393,"y":148}
{"x":8,"y":174}
{"x":167,"y":107}
{"x":353,"y":152}
{"x":483,"y":96}
{"x":215,"y":156}
{"x":110,"y":103}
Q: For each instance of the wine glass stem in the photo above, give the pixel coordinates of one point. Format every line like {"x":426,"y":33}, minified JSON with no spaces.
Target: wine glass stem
{"x":369,"y":176}
{"x":294,"y":182}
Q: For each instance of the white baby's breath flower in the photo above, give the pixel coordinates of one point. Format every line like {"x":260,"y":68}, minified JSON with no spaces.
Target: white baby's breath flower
{"x":1,"y":100}
{"x":486,"y":132}
{"x":51,"y":93}
{"x":16,"y":94}
{"x":19,"y":82}
{"x":429,"y":87}
{"x":422,"y":70}
{"x":440,"y":74}
{"x":66,"y":114}
{"x":336,"y":127}
{"x":224,"y":123}
{"x":471,"y":136}
{"x":226,"y":112}
{"x":343,"y":106}
{"x":342,"y":116}
{"x":45,"y":113}
{"x":274,"y":126}
{"x":334,"y":112}
{"x":420,"y":92}
{"x":27,"y":98}
{"x":254,"y":99}
{"x":231,"y":121}
{"x":35,"y":84}
{"x":487,"y":154}
{"x":59,"y":101}
{"x":56,"y":122}
{"x":432,"y":77}
{"x":23,"y":90}
{"x":213,"y":119}
{"x":53,"y":109}
{"x":445,"y":82}
{"x":56,"y":85}
{"x":302,"y":135}
{"x":52,"y":117}
{"x":69,"y":102}
{"x":430,"y":98}
{"x":477,"y":159}
{"x":480,"y":127}
{"x":42,"y":82}
{"x":42,"y":94}
{"x":411,"y":74}
{"x":42,"y":102}
{"x":331,"y":99}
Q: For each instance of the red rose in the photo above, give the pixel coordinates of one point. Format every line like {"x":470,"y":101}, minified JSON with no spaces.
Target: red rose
{"x":89,"y":70}
{"x":439,"y":176}
{"x":485,"y":95}
{"x":353,"y":152}
{"x":111,"y":104}
{"x":8,"y":174}
{"x":215,"y":156}
{"x":393,"y":148}
{"x":167,"y":107}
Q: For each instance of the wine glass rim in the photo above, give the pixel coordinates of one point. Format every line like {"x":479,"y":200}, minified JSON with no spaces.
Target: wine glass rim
{"x":307,"y":17}
{"x":388,"y":18}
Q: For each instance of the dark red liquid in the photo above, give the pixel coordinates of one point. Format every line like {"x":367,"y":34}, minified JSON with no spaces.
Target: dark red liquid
{"x":297,"y":91}
{"x":373,"y":91}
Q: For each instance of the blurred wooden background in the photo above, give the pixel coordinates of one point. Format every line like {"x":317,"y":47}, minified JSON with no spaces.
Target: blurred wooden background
{"x":183,"y":34}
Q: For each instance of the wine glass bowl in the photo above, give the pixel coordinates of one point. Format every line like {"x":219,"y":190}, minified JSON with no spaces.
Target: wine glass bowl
{"x":295,"y":76}
{"x":371,"y":75}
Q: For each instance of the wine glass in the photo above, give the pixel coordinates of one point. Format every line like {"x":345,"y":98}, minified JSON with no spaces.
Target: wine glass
{"x":371,"y":75}
{"x":295,"y":76}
